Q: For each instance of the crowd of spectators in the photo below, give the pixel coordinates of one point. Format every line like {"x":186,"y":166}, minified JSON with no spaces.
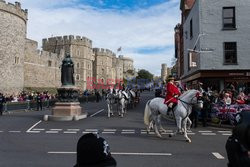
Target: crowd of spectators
{"x":28,"y":96}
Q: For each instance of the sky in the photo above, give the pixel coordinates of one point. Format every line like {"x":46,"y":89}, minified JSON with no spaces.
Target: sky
{"x":144,"y":29}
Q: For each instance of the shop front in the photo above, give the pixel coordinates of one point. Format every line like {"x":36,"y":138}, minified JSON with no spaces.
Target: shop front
{"x":220,"y":79}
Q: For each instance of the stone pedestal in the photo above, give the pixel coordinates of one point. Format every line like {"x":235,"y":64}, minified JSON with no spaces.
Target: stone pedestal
{"x":68,"y":107}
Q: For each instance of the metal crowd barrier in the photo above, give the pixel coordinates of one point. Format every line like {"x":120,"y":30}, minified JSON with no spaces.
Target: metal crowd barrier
{"x":26,"y":105}
{"x":32,"y":105}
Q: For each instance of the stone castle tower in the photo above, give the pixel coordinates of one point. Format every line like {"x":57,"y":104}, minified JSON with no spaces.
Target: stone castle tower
{"x":164,"y":72}
{"x":80,"y":49}
{"x":103,"y":65}
{"x":111,"y":69}
{"x":13,"y":26}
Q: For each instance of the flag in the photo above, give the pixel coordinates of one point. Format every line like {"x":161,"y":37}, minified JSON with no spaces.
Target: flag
{"x":119,"y":49}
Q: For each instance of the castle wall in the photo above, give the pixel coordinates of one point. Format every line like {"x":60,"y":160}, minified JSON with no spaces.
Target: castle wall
{"x":12,"y":39}
{"x":41,"y":68}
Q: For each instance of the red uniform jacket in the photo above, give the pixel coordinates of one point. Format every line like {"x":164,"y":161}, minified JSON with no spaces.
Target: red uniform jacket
{"x":172,"y":90}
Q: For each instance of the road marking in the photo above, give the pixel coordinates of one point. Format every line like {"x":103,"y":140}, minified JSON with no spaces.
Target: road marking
{"x":51,"y":132}
{"x":226,"y":134}
{"x":166,"y":133}
{"x":34,"y":131}
{"x":97,"y":113}
{"x":109,"y":129}
{"x":205,"y":131}
{"x":191,"y":133}
{"x":14,"y":131}
{"x":70,"y":132}
{"x":143,"y":132}
{"x":226,"y":131}
{"x":85,"y":132}
{"x":55,"y":129}
{"x":91,"y":130}
{"x":117,"y":153}
{"x":29,"y":130}
{"x":208,"y":134}
{"x":73,"y":129}
{"x":108,"y":132}
{"x":127,"y":132}
{"x":38,"y":129}
{"x":217,"y":155}
{"x":1,"y":131}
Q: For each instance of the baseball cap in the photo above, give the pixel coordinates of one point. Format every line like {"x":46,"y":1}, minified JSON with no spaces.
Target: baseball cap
{"x":93,"y":151}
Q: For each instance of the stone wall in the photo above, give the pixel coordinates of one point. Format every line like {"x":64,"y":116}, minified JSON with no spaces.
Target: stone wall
{"x":13,"y":22}
{"x":41,"y":68}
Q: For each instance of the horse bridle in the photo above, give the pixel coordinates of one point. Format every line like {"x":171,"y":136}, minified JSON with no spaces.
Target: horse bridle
{"x":189,"y":104}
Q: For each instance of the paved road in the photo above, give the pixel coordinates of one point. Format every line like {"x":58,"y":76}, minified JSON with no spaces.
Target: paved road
{"x":27,"y":141}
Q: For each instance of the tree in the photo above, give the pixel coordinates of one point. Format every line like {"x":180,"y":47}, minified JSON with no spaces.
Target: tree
{"x":144,"y":74}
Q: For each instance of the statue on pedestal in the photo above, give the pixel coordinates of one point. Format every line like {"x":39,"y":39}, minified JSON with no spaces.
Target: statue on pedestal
{"x":68,"y":92}
{"x":67,"y":71}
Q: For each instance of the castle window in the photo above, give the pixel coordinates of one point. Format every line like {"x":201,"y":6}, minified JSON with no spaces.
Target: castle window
{"x":77,"y":77}
{"x":16,"y":60}
{"x":77,"y":65}
{"x":88,"y":66}
{"x":49,"y":63}
{"x":78,"y":52}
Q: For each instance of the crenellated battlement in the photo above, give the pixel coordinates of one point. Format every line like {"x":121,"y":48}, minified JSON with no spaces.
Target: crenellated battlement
{"x":125,"y":58}
{"x":67,"y":40}
{"x":102,"y":51}
{"x":14,"y":9}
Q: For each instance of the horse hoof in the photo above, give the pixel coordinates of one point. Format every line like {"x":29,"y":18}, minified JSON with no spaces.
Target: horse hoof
{"x":170,"y":135}
{"x":189,"y":141}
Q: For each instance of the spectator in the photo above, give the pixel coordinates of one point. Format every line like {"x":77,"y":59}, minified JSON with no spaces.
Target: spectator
{"x":93,"y":151}
{"x":206,"y":108}
{"x":39,"y":101}
{"x":241,"y":98}
{"x":86,"y":94}
{"x":97,"y":94}
{"x":227,"y":100}
{"x":2,"y":101}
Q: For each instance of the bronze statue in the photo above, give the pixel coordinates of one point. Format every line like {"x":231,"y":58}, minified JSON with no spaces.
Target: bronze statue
{"x":67,"y":71}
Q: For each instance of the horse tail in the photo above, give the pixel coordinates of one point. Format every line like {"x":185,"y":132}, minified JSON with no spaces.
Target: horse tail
{"x":147,"y":113}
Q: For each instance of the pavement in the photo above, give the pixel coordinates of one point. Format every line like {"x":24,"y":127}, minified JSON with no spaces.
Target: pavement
{"x":27,"y":141}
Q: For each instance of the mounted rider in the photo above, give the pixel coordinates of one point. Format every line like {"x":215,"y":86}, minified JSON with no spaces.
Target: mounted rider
{"x":172,"y":93}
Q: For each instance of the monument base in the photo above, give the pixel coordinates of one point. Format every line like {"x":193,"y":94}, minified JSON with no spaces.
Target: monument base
{"x":66,"y":111}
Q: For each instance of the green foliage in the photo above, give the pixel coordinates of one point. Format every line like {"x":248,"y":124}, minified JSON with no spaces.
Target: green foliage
{"x":144,"y":74}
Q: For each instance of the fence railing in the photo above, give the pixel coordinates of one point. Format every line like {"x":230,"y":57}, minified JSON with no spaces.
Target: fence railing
{"x":32,"y":105}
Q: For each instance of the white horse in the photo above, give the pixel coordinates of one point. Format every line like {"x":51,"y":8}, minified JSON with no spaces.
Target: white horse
{"x":122,"y":100}
{"x":131,"y":98}
{"x":110,"y":99}
{"x":155,"y":108}
{"x":116,"y":98}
